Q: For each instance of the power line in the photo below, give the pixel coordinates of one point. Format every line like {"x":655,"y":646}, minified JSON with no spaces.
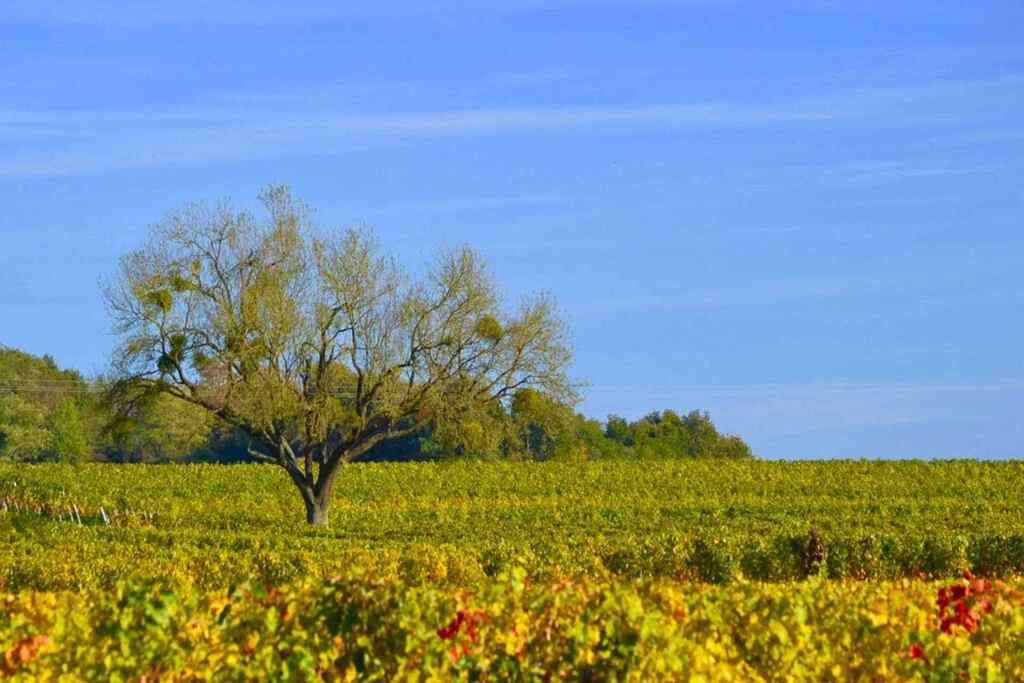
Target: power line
{"x":85,"y":390}
{"x":44,"y":380}
{"x":55,"y":392}
{"x":55,"y":387}
{"x":11,"y":385}
{"x":49,"y":390}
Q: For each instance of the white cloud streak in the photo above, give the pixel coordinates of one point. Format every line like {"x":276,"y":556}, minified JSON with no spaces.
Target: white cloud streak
{"x":154,"y":144}
{"x":141,"y":14}
{"x":87,"y":141}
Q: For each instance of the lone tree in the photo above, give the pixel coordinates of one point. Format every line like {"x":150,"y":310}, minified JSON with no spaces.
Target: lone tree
{"x":315,"y":345}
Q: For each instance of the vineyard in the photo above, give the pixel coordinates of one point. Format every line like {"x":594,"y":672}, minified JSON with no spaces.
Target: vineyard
{"x":500,"y":570}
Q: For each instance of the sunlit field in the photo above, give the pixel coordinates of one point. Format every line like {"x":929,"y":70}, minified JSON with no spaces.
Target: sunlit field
{"x":494,"y":570}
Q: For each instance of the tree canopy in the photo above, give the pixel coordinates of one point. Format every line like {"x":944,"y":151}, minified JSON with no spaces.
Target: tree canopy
{"x":160,"y":428}
{"x":44,"y":411}
{"x":316,"y":345}
{"x":668,"y":434}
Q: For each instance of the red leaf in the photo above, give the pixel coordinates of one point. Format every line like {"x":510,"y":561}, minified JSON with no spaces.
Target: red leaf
{"x":448,"y":632}
{"x":23,"y":652}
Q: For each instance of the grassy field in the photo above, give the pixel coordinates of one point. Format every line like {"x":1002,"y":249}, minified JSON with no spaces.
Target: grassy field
{"x":614,"y":569}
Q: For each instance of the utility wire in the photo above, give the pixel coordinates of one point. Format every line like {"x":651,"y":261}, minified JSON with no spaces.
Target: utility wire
{"x":43,"y":379}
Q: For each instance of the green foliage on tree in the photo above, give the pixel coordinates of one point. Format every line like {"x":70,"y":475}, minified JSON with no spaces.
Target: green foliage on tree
{"x":45,"y":413}
{"x":536,"y":428}
{"x":160,"y":428}
{"x":69,"y":441}
{"x":267,"y":339}
{"x":23,"y":432}
{"x":319,"y":348}
{"x":667,"y":434}
{"x":49,"y":414}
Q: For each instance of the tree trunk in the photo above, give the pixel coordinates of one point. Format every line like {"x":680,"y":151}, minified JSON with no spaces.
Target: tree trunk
{"x":315,"y":495}
{"x":316,"y":512}
{"x":320,"y":500}
{"x":316,"y":505}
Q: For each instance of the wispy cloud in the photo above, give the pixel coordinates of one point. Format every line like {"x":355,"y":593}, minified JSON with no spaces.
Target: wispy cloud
{"x":99,"y":140}
{"x":469,"y":120}
{"x":469,"y":204}
{"x":758,"y":392}
{"x":144,"y":13}
{"x":175,"y":142}
{"x":941,"y":272}
{"x":874,"y":173}
{"x":859,"y":175}
{"x":147,"y":13}
{"x":762,"y":292}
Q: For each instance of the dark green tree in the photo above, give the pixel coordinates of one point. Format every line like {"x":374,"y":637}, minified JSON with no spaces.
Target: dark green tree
{"x":45,"y":413}
{"x":68,"y":438}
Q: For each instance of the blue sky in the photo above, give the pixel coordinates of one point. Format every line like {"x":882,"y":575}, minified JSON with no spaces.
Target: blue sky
{"x":805,"y":217}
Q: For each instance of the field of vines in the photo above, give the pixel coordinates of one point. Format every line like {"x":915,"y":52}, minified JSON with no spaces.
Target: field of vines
{"x":613,"y":570}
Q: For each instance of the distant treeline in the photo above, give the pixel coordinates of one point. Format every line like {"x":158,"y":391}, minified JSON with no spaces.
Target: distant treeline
{"x":52,"y":414}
